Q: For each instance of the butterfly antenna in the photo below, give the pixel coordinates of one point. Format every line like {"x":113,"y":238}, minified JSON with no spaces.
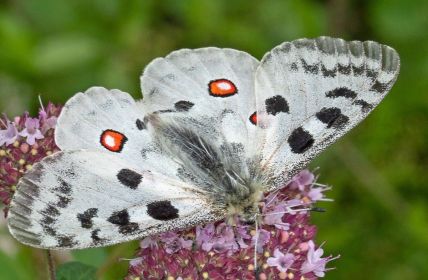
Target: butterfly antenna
{"x":318,"y":209}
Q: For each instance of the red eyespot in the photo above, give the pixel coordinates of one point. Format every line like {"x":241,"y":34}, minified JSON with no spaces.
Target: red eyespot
{"x":113,"y":140}
{"x":222,"y":88}
{"x":253,"y":118}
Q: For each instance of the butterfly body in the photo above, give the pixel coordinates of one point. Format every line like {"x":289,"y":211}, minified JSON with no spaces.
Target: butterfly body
{"x":233,"y":187}
{"x":215,"y":130}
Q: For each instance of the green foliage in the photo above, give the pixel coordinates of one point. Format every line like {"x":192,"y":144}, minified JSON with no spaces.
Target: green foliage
{"x":76,"y":271}
{"x":378,"y":222}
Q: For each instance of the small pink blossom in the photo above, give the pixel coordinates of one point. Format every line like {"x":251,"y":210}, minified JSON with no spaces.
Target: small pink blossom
{"x":263,"y":237}
{"x":8,"y":135}
{"x":32,"y":131}
{"x":315,"y":194}
{"x":314,"y":262}
{"x":281,"y":261}
{"x":174,"y":242}
{"x":148,"y":242}
{"x":48,"y":122}
{"x":301,"y":180}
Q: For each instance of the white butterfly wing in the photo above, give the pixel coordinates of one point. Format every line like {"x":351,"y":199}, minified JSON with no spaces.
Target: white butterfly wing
{"x":110,"y":121}
{"x":79,"y":199}
{"x":311,"y":92}
{"x":110,"y":166}
{"x":211,"y":88}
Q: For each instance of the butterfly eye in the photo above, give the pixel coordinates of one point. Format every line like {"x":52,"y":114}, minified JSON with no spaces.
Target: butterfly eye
{"x":113,"y":140}
{"x":222,"y":88}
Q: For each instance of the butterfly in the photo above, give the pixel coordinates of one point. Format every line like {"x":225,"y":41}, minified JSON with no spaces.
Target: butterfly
{"x":215,"y":130}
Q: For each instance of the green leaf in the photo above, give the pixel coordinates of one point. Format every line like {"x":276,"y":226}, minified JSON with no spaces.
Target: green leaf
{"x":76,"y":271}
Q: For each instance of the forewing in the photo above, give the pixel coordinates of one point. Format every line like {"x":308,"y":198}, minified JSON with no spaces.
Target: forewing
{"x":79,"y":199}
{"x":311,"y":92}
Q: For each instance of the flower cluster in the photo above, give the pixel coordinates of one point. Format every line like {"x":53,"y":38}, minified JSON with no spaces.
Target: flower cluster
{"x":23,"y":142}
{"x":281,"y":247}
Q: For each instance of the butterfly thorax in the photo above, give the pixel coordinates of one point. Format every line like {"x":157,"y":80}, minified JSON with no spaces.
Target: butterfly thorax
{"x":231,"y":182}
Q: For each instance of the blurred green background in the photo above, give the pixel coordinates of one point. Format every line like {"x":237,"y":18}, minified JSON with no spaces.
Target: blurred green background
{"x":379,"y":220}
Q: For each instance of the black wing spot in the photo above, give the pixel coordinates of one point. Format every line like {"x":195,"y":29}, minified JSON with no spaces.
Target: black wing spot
{"x":341,"y":92}
{"x":140,"y":124}
{"x":49,"y":230}
{"x":95,"y":238}
{"x":162,"y":210}
{"x":66,"y":241}
{"x":63,"y":201}
{"x":294,"y":67}
{"x":129,"y":228}
{"x":333,"y":117}
{"x":328,"y":73}
{"x":129,"y":178}
{"x":344,"y":69}
{"x":120,"y":218}
{"x":380,"y":87}
{"x":85,"y":218}
{"x":309,"y":68}
{"x":358,"y":70}
{"x":276,"y":104}
{"x":365,"y":107}
{"x":51,"y":211}
{"x":183,"y":106}
{"x":63,"y":187}
{"x":47,"y":220}
{"x":300,"y":140}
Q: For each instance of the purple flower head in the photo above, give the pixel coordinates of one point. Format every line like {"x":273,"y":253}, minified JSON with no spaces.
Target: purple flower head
{"x":301,"y":180}
{"x":281,"y":261}
{"x":314,"y":262}
{"x":32,"y":131}
{"x":9,"y":135}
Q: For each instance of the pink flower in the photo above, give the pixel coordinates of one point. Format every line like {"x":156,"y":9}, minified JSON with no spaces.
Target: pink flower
{"x":174,"y":242}
{"x":31,"y":131}
{"x":8,"y":135}
{"x":18,"y":158}
{"x":48,"y":122}
{"x":315,"y":194}
{"x":148,"y":242}
{"x":281,"y":261}
{"x":263,"y":238}
{"x":314,"y":262}
{"x":301,"y":180}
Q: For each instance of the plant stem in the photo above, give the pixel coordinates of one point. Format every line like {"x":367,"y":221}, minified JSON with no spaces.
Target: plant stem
{"x":51,"y":265}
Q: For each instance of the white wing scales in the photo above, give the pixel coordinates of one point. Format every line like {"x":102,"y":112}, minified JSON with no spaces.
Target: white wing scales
{"x":311,"y":92}
{"x":64,"y":202}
